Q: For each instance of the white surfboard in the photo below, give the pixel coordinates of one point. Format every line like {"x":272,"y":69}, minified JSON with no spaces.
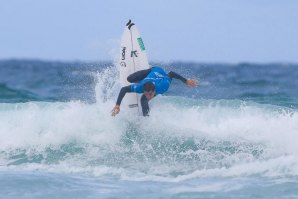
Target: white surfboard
{"x":132,"y":58}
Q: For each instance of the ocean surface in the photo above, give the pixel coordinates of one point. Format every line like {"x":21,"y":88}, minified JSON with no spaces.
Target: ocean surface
{"x":234,"y":136}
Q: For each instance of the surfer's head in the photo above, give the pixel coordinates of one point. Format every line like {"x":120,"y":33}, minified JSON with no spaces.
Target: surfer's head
{"x":149,"y":90}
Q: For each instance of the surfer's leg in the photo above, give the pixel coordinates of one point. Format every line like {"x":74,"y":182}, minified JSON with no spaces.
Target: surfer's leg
{"x":145,"y":105}
{"x":138,"y":76}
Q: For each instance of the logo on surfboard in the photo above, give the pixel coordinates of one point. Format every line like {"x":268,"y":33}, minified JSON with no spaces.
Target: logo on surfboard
{"x":141,"y":43}
{"x":132,"y":105}
{"x":122,"y":64}
{"x":133,"y":53}
{"x":123,"y":53}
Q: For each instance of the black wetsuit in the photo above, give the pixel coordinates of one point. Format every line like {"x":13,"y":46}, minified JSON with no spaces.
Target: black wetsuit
{"x":138,"y":77}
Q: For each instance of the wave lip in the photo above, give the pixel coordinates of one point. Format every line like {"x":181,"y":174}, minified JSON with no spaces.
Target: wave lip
{"x":11,"y":95}
{"x":272,"y":83}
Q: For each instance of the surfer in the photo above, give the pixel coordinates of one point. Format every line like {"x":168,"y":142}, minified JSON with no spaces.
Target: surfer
{"x":151,"y":82}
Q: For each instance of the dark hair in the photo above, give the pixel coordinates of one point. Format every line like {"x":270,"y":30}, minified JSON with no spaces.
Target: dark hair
{"x":149,"y":86}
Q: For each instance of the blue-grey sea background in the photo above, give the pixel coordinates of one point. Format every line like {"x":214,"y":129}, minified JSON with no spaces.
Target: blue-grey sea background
{"x":234,"y":136}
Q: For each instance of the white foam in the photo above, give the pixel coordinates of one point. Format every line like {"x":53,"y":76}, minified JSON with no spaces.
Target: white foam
{"x":212,"y":187}
{"x":221,"y":121}
{"x":36,"y":126}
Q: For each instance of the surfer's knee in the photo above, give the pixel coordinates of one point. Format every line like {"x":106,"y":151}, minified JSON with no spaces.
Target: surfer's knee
{"x":130,"y":79}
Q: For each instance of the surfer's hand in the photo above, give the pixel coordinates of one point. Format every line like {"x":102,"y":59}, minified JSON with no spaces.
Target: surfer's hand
{"x":191,"y":82}
{"x":115,"y":110}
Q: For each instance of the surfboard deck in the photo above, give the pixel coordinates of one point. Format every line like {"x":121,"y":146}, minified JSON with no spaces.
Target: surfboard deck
{"x":132,"y":58}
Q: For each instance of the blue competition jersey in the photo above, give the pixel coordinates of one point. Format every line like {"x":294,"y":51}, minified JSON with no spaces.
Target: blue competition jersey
{"x":160,"y":79}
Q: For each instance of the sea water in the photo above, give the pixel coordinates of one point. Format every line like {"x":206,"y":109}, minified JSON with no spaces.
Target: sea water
{"x":234,"y":136}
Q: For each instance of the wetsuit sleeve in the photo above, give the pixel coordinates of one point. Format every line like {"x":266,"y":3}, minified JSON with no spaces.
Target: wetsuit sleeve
{"x":123,"y":91}
{"x":145,"y":105}
{"x":176,"y":76}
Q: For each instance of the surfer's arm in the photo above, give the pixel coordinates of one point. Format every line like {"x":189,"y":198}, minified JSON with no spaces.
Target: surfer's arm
{"x":189,"y":82}
{"x":123,"y":91}
{"x":174,"y":75}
